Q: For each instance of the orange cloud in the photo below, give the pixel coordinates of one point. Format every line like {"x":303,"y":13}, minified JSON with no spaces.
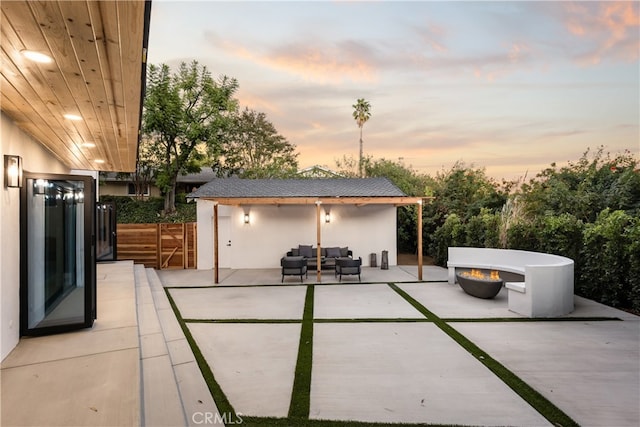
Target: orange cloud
{"x":321,"y":64}
{"x":612,"y":26}
{"x":316,"y":62}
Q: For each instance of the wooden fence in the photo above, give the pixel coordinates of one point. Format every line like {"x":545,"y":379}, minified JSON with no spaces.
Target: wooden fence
{"x":160,"y":246}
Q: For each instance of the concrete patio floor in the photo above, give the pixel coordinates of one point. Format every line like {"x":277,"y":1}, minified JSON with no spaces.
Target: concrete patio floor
{"x":375,"y":356}
{"x":376,"y":359}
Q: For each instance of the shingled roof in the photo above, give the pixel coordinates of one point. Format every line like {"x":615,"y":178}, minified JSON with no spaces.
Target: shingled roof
{"x":291,"y":188}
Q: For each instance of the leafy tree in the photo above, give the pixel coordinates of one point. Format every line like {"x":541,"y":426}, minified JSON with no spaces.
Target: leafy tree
{"x":586,"y":187}
{"x":254,"y":149}
{"x":349,"y":167}
{"x":182,"y":111}
{"x":463,"y":191}
{"x":412,"y":184}
{"x":361,"y":114}
{"x":145,"y":171}
{"x":406,"y":179}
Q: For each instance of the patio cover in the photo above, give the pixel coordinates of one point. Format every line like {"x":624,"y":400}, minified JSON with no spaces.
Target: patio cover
{"x":336,"y":191}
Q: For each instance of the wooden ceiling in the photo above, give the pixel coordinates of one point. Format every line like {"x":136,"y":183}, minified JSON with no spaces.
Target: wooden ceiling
{"x":99,"y":59}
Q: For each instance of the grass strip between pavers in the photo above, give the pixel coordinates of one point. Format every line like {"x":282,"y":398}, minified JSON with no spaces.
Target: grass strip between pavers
{"x":301,"y":393}
{"x":286,"y":422}
{"x":528,"y":319}
{"x":371,"y":320}
{"x":541,"y":404}
{"x":222,"y":402}
{"x":274,"y":321}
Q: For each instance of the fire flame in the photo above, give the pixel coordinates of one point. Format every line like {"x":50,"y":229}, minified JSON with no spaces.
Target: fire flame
{"x":478,"y":274}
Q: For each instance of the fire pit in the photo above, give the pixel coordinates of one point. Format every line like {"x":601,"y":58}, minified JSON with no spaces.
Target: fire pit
{"x":480,"y":284}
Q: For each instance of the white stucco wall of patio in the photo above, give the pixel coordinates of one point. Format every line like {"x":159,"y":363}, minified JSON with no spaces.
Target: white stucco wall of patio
{"x":35,"y":158}
{"x":273,"y":230}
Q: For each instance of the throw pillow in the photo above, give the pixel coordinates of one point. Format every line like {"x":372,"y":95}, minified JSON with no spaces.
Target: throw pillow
{"x":333,"y":252}
{"x":344,"y":251}
{"x":305,"y":251}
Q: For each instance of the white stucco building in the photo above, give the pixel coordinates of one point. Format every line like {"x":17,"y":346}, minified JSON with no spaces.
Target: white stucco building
{"x":258,"y":221}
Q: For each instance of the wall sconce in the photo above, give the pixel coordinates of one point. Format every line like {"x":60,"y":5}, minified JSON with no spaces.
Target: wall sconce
{"x":327,"y":216}
{"x":246,"y":218}
{"x":12,"y":171}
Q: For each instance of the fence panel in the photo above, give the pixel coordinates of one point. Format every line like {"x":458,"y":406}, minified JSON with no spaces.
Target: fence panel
{"x":158,"y":246}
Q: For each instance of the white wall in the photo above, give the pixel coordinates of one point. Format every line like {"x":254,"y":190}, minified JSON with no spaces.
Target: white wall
{"x":274,"y":230}
{"x":35,"y":158}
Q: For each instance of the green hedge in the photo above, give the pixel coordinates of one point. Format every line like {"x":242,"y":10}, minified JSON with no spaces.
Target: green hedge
{"x":132,"y":211}
{"x":607,"y":261}
{"x":606,"y":252}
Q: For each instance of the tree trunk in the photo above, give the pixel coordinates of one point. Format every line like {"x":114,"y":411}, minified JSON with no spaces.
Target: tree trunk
{"x":360,"y":162}
{"x":170,"y":199}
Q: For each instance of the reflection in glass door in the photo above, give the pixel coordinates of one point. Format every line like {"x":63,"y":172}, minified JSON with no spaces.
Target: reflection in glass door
{"x":58,"y":273}
{"x":106,"y":240}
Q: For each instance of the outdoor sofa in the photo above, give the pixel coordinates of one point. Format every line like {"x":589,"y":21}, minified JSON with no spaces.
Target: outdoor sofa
{"x":329,"y":255}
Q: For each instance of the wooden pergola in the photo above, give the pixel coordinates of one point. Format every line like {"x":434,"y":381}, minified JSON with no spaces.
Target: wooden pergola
{"x":318,"y":202}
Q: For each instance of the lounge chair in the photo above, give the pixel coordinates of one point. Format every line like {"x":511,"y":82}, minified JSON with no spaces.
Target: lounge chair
{"x":348,"y":266}
{"x":293,"y":266}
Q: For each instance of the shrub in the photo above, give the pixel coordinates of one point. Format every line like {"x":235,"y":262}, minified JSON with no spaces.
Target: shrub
{"x":633,"y":255}
{"x":482,"y":230}
{"x":561,"y":235}
{"x":523,"y":235}
{"x":451,"y":233}
{"x":604,"y":275}
{"x":133,"y":211}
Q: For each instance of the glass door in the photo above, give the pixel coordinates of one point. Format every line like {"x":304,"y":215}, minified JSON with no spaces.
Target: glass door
{"x":58,"y":276}
{"x":106,"y":243}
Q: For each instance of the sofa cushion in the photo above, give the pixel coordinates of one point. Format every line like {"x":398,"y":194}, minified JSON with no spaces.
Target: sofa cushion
{"x":305,"y":251}
{"x":344,"y":251}
{"x":295,"y":252}
{"x":334,"y":252}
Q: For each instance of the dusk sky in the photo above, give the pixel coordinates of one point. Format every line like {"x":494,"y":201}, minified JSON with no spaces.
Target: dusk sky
{"x":509,"y":86}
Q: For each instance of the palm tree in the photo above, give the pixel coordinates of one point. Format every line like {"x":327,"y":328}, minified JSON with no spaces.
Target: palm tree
{"x":361,"y":113}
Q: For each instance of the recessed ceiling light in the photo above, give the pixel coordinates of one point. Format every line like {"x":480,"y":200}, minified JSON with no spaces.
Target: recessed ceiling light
{"x":72,"y":117}
{"x":99,"y":161}
{"x":34,"y":56}
{"x":88,"y":144}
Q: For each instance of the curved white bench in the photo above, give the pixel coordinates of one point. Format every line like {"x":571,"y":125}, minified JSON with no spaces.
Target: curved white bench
{"x":547,"y":290}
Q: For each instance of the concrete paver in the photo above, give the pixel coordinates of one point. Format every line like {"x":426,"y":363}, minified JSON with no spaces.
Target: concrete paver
{"x":361,"y":301}
{"x":589,"y":369}
{"x":253,"y":363}
{"x":450,"y":301}
{"x":264,"y":302}
{"x":407,"y":372}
